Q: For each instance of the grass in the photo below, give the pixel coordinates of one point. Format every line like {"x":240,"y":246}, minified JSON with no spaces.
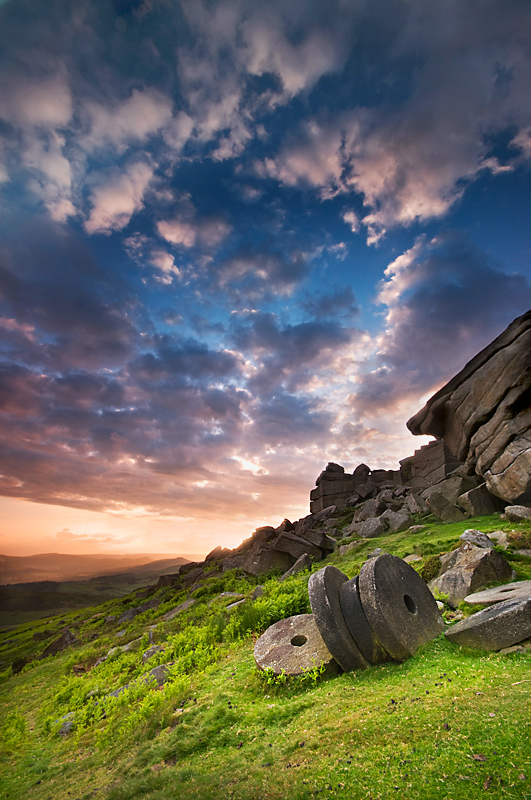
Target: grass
{"x":449,"y":722}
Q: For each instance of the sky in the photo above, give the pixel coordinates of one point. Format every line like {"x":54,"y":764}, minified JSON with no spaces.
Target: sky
{"x":240,"y":239}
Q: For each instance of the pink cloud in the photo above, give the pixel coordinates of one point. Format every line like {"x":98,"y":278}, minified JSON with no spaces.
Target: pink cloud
{"x":116,"y":198}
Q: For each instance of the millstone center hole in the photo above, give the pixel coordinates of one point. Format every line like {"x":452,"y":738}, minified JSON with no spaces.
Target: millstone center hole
{"x":299,"y":640}
{"x":410,"y":604}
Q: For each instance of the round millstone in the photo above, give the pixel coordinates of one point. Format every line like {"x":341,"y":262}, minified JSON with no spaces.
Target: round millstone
{"x":293,"y":646}
{"x":360,"y":630}
{"x":398,"y":605}
{"x":519,"y":590}
{"x":494,"y":628}
{"x":323,"y":590}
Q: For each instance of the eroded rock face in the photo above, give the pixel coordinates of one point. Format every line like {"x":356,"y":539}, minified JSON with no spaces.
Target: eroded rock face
{"x":468,"y":569}
{"x":484,"y":414}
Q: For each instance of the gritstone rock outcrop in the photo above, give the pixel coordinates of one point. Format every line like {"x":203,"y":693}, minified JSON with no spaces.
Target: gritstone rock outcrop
{"x":482,"y":416}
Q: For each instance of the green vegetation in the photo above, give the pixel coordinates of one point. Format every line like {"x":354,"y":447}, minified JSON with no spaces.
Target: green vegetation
{"x":449,"y":722}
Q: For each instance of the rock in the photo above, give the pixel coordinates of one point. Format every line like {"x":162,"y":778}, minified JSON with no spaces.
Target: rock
{"x":417,"y":528}
{"x":476,"y":537}
{"x":128,"y":615}
{"x":479,"y":502}
{"x":303,"y":562}
{"x":320,"y":540}
{"x":110,"y":618}
{"x":366,"y":490}
{"x":286,"y":525}
{"x":68,"y":724}
{"x":483,"y":414}
{"x":412,"y":558}
{"x":518,"y":590}
{"x":293,"y":646}
{"x":218,"y":553}
{"x":442,"y":508}
{"x":261,"y":559}
{"x":467,"y":569}
{"x":66,"y":639}
{"x":348,"y":548}
{"x":398,"y":605}
{"x":362,"y":472}
{"x":178,"y":610}
{"x":152,"y":651}
{"x":234,"y":605}
{"x":416,"y":504}
{"x":494,"y":628}
{"x":370,"y":508}
{"x":396,"y":520}
{"x":360,"y":630}
{"x":500,"y":538}
{"x":323,"y":590}
{"x":372,"y":528}
{"x":258,"y":592}
{"x":517,"y":513}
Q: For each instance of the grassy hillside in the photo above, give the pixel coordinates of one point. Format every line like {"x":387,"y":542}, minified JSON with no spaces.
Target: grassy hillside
{"x":449,"y":722}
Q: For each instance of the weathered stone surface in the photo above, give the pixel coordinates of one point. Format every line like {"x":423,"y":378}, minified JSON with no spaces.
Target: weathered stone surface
{"x":396,"y":520}
{"x":517,"y":590}
{"x":263,"y":558}
{"x":479,"y":502}
{"x":494,"y":628}
{"x":371,"y":528}
{"x":416,"y":504}
{"x":442,"y":508}
{"x":484,"y":414}
{"x":177,"y":610}
{"x":476,"y":537}
{"x":398,"y":605}
{"x":152,"y":651}
{"x":218,"y":553}
{"x":370,"y":508}
{"x":294,"y":646}
{"x":320,"y":540}
{"x":345,"y":549}
{"x":360,"y":630}
{"x":295,"y":546}
{"x":467,"y":569}
{"x":66,"y":639}
{"x":303,"y":562}
{"x":517,"y":513}
{"x":323,"y":590}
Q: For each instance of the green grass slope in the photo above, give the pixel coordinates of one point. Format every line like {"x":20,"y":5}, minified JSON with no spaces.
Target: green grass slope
{"x":447,"y":723}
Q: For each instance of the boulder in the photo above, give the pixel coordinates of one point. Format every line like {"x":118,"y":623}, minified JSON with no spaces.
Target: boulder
{"x":518,"y":590}
{"x":303,"y":562}
{"x":479,"y":502}
{"x":396,"y":520}
{"x":372,"y":528}
{"x":264,"y":558}
{"x":66,"y":639}
{"x":494,"y":628}
{"x":441,"y":507}
{"x":518,"y":513}
{"x":295,"y":546}
{"x":476,"y":537}
{"x":467,"y":569}
{"x":483,"y":414}
{"x":177,"y":610}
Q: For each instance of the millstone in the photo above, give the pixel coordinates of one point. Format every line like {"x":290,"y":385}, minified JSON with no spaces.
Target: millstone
{"x":360,"y":630}
{"x":293,"y":646}
{"x":494,"y":628}
{"x":398,"y":605}
{"x":323,"y":590}
{"x":520,"y":590}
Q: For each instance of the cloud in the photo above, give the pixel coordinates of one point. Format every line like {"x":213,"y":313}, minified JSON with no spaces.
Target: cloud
{"x":116,"y":197}
{"x":436,"y":295}
{"x":68,"y":537}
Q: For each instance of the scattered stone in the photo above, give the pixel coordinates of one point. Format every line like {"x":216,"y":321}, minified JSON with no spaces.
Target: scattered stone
{"x":128,"y":615}
{"x":152,"y":651}
{"x":295,"y":546}
{"x":348,"y":548}
{"x":396,"y":521}
{"x":360,"y":630}
{"x":479,"y":502}
{"x":120,"y":633}
{"x":375,"y":553}
{"x":66,"y":639}
{"x":412,"y":558}
{"x":519,"y":590}
{"x":302,"y":563}
{"x":234,"y":605}
{"x":441,"y":507}
{"x":494,"y":628}
{"x":294,"y":646}
{"x":416,"y":504}
{"x":372,"y":528}
{"x":169,"y":615}
{"x":398,"y":605}
{"x":258,"y":592}
{"x":500,"y":538}
{"x":468,"y":569}
{"x":517,"y":513}
{"x":417,"y":528}
{"x":68,"y":724}
{"x":323,"y":590}
{"x":478,"y":538}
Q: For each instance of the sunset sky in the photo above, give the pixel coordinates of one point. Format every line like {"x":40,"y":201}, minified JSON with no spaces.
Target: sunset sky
{"x":241,"y":239}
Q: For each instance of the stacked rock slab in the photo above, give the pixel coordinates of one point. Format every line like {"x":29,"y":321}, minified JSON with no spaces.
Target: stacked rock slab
{"x":483,"y":414}
{"x":336,"y":487}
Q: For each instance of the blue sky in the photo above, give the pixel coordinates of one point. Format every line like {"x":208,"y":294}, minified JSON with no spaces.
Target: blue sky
{"x":239,"y":240}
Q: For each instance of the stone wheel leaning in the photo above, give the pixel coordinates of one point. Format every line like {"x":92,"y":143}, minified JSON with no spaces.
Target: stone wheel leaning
{"x":398,"y":605}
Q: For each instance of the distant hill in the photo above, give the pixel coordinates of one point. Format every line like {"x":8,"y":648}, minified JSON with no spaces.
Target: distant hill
{"x":23,"y":601}
{"x":63,"y":567}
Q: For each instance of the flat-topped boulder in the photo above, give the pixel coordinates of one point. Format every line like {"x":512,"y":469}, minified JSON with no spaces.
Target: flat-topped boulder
{"x":483,"y":414}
